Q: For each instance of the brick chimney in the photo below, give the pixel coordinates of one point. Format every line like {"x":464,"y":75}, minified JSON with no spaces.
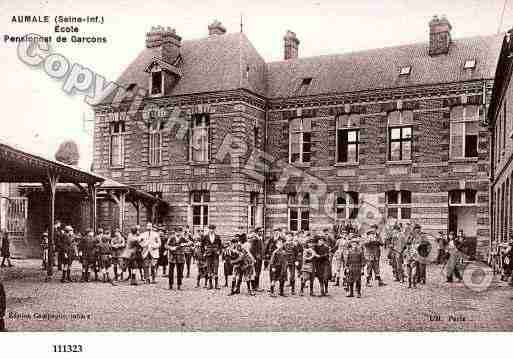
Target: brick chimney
{"x":291,"y":45}
{"x":439,"y":35}
{"x":164,"y":42}
{"x":216,"y":28}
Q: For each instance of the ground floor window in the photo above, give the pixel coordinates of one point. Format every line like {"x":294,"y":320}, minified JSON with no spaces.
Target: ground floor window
{"x":299,"y":211}
{"x":398,"y":204}
{"x":346,"y":205}
{"x":200,"y":210}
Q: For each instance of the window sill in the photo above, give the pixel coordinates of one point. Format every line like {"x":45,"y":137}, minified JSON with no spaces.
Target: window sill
{"x":346,"y":164}
{"x":117,"y":167}
{"x":403,"y":162}
{"x":463,"y":160}
{"x":199,"y":163}
{"x":155,"y":166}
{"x":160,"y":94}
{"x":300,"y":164}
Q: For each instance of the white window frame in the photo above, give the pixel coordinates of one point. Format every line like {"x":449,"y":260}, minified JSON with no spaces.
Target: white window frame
{"x":399,"y":205}
{"x":463,"y":197}
{"x":156,"y":68}
{"x":357,"y":143}
{"x":121,"y":147}
{"x":155,"y":143}
{"x":202,"y":204}
{"x":204,"y":138}
{"x":465,"y":121}
{"x":349,"y":206}
{"x":301,"y":205}
{"x":301,"y":131}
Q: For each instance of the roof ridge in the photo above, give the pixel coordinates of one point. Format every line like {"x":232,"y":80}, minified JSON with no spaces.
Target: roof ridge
{"x":363,"y":51}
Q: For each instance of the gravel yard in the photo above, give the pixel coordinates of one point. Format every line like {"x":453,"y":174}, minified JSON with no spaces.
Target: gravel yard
{"x":35,"y":305}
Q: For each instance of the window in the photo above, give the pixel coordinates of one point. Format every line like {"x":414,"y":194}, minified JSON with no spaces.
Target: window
{"x":255,"y":136}
{"x":464,"y":131}
{"x":462,"y":197}
{"x":348,"y":141}
{"x":117,"y":145}
{"x":252,"y":210}
{"x":299,"y":211}
{"x":300,"y":140}
{"x":303,"y":87}
{"x":199,"y":203}
{"x":398,"y":204}
{"x":399,"y":143}
{"x":155,"y":142}
{"x":469,"y":64}
{"x":156,"y":82}
{"x":405,"y":71}
{"x":199,"y":144}
{"x":346,"y":205}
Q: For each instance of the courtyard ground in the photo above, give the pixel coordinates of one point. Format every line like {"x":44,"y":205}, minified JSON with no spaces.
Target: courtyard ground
{"x":97,"y":306}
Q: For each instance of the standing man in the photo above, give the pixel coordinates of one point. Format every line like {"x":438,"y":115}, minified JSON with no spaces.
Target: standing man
{"x":176,"y":256}
{"x":150,"y":245}
{"x":5,"y":252}
{"x":372,"y":246}
{"x":271,"y":246}
{"x":57,"y":237}
{"x":256,"y":248}
{"x":188,"y":249}
{"x":212,"y":246}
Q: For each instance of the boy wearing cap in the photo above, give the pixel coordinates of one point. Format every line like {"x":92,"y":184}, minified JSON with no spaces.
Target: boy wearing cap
{"x":44,"y":249}
{"x":372,"y":247}
{"x":355,"y":261}
{"x":293,"y":256}
{"x":307,"y":268}
{"x":278,"y":267}
{"x":322,"y":264}
{"x":201,"y":262}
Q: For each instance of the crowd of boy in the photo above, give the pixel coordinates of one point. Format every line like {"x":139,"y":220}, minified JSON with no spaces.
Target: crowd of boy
{"x":342,"y":256}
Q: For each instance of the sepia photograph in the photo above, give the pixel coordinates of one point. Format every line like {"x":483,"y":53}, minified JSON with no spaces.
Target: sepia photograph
{"x":272,"y":166}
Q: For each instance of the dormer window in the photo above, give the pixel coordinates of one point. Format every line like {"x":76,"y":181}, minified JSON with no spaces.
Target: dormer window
{"x":470,"y":65}
{"x":405,"y":71}
{"x":303,"y":87}
{"x":156,"y":82}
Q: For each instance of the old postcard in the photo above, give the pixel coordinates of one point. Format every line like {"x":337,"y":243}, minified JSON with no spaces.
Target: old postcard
{"x":304,"y":166}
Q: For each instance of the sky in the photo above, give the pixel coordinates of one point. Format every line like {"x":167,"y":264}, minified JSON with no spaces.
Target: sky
{"x":38,"y":115}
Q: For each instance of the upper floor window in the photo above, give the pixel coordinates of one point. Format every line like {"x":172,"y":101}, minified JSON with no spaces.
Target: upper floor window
{"x":348,"y":141}
{"x":300,"y":140}
{"x":299,"y":211}
{"x":399,"y":143}
{"x":252,"y":209}
{"x":346,"y":205}
{"x":200,"y":213}
{"x":398,"y":204}
{"x":157,"y":82}
{"x":155,"y":142}
{"x":199,"y":145}
{"x":117,"y":144}
{"x":464,"y":131}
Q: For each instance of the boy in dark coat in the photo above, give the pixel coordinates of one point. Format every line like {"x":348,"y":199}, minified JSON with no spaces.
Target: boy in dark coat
{"x":292,"y":254}
{"x":176,"y":256}
{"x":307,"y":268}
{"x":86,"y":252}
{"x":322,"y":264}
{"x":355,"y":262}
{"x":278,"y":267}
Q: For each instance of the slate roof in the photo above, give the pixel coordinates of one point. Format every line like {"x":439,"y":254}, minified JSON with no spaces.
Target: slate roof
{"x":215,"y":63}
{"x":218,"y":63}
{"x":379,"y":68}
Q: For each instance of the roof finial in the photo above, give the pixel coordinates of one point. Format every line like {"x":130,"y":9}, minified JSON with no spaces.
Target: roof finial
{"x":241,"y":25}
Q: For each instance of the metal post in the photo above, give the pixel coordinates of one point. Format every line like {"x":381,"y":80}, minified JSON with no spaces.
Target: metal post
{"x":52,"y":183}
